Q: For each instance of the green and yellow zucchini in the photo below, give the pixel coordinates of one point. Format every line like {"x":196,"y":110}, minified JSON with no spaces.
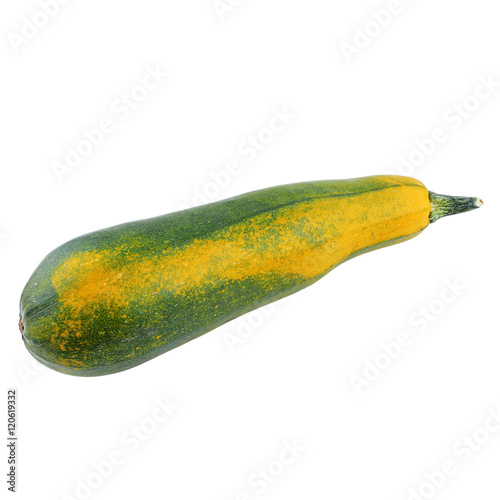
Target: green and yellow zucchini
{"x":117,"y":297}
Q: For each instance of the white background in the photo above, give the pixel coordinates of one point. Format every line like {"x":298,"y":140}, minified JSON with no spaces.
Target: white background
{"x":291,"y":378}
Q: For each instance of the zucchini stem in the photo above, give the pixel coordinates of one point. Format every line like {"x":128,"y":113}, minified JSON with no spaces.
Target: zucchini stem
{"x":443,"y":205}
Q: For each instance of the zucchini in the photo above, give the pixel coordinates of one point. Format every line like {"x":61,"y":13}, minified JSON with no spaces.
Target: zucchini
{"x":115,"y":298}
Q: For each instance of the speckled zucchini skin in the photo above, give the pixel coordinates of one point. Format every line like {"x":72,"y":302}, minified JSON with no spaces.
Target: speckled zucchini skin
{"x":115,"y":298}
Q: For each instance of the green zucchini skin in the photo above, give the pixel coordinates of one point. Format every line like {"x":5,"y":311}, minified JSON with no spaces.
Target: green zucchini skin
{"x":118,"y":297}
